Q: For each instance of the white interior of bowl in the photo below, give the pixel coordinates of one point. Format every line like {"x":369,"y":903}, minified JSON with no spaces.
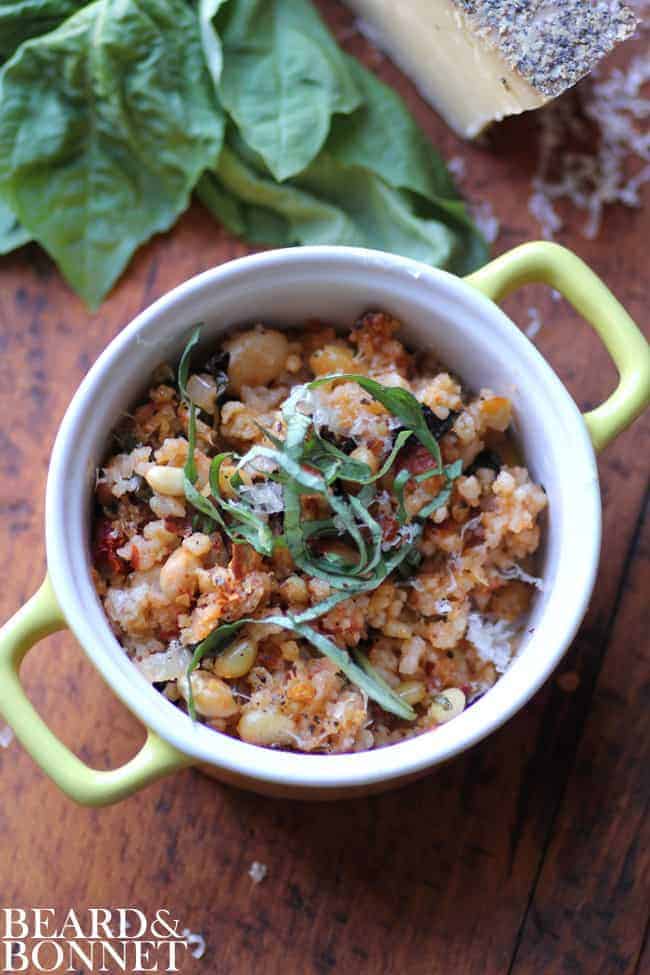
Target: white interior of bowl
{"x":468,"y":333}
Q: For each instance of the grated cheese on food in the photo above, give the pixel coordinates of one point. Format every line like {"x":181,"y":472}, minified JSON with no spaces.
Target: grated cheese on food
{"x":492,"y":639}
{"x":404,"y":536}
{"x":265,"y":498}
{"x":516,"y":572}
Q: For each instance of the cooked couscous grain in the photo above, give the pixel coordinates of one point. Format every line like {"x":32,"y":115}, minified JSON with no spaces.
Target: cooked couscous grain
{"x":357,"y":578}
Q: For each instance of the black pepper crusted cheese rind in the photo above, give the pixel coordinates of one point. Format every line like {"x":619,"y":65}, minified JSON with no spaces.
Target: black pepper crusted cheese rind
{"x":551,"y":44}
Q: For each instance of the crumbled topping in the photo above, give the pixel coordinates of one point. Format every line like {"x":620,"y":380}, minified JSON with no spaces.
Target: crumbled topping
{"x":594,"y":149}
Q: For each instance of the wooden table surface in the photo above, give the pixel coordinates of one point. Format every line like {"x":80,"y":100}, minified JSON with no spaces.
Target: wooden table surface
{"x":529,"y":854}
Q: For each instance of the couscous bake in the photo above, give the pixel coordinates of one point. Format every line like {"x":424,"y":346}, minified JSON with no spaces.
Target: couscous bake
{"x":316,"y":542}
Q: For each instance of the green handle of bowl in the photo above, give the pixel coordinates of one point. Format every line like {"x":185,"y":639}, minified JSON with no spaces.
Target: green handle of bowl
{"x":546,"y":263}
{"x":39,"y":617}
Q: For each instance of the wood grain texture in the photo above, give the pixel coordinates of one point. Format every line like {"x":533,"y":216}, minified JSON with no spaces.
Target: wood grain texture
{"x":526,"y":855}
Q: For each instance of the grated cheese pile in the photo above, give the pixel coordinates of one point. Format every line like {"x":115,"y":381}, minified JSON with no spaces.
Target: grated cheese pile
{"x":611,"y":111}
{"x":266,"y":498}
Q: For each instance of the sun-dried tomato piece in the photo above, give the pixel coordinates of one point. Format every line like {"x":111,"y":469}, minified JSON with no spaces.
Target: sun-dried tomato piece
{"x":106,"y":542}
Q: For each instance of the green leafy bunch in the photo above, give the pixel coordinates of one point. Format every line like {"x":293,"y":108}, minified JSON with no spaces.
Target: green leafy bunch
{"x":305,"y":463}
{"x":113,"y":112}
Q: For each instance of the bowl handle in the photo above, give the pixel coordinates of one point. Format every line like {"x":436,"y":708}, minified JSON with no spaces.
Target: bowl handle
{"x":548,"y":263}
{"x":39,"y":617}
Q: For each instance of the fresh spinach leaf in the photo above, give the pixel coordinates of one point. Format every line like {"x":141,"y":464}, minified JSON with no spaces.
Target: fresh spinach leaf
{"x":106,"y":124}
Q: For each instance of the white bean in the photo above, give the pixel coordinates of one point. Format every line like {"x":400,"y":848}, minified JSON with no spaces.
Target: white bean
{"x":178,"y":574}
{"x":447,"y":705}
{"x":166,"y":480}
{"x":212,"y":697}
{"x":236,"y":660}
{"x":266,"y":727}
{"x":257,"y":357}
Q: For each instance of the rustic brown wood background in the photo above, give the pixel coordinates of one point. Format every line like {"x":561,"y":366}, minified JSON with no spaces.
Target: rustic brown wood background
{"x":527,"y":855}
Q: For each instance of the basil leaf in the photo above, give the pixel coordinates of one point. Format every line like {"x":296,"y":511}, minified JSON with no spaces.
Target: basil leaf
{"x":283,"y":77}
{"x":251,"y":527}
{"x":367,"y":680}
{"x":361,"y":659}
{"x":184,"y":364}
{"x":22,"y":19}
{"x":375,"y":531}
{"x":216,"y":642}
{"x":12,"y":235}
{"x":277,"y":443}
{"x":400,"y":482}
{"x":106,"y":123}
{"x":364,"y":676}
{"x":210,"y":40}
{"x":452,"y":471}
{"x":189,"y":469}
{"x":401,"y":404}
{"x":301,"y":480}
{"x":328,"y":203}
{"x":382,"y":136}
{"x":314,"y":612}
{"x":200,"y":502}
{"x":348,"y":469}
{"x":377,"y":182}
{"x":440,"y":499}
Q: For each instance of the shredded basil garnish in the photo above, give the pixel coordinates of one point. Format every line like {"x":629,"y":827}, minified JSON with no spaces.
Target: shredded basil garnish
{"x":306,"y":463}
{"x":397,"y":401}
{"x":362,"y":674}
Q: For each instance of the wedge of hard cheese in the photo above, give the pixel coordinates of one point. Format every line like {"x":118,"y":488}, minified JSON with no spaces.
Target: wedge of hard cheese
{"x":477,"y":61}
